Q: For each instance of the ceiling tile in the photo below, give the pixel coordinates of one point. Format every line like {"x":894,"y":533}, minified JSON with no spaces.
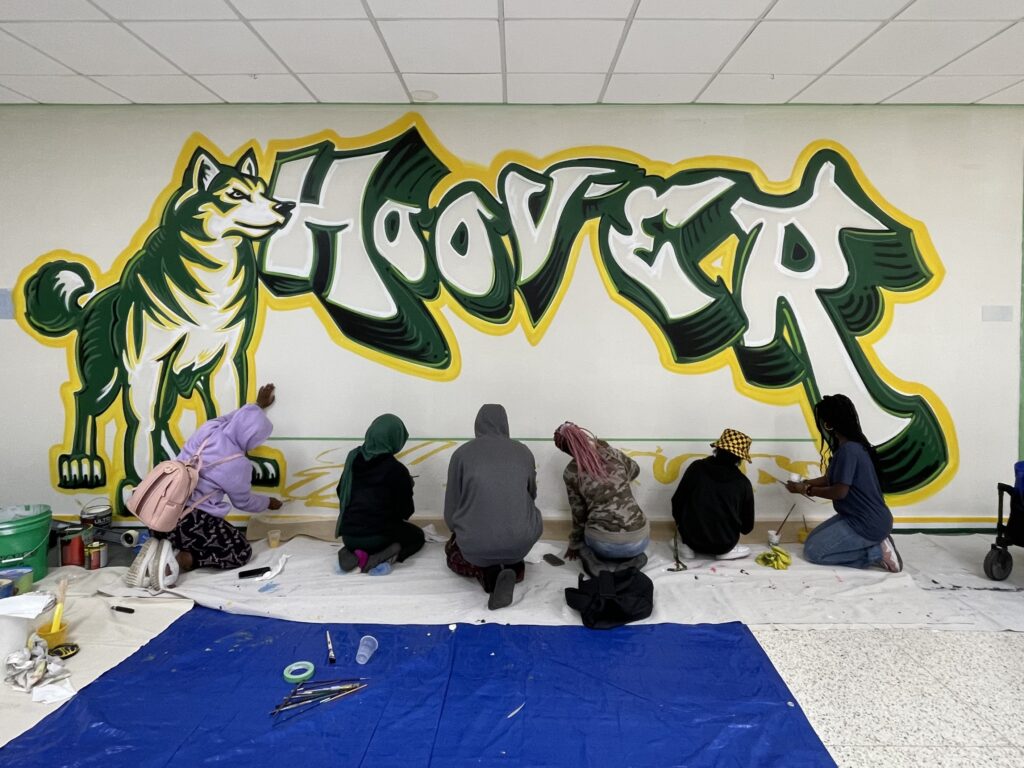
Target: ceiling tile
{"x":16,"y":58}
{"x":444,"y":46}
{"x":539,"y":46}
{"x":915,"y":47}
{"x":999,"y":56}
{"x":256,"y":89}
{"x":92,"y":47}
{"x":434,"y":9}
{"x":159,"y":89}
{"x":48,"y":10}
{"x":1014,"y":95}
{"x":1009,"y":10}
{"x":701,"y":9}
{"x":653,"y":89}
{"x":8,"y":96}
{"x":326,"y":46}
{"x":300,"y":9}
{"x":956,"y":89}
{"x":457,"y":88}
{"x":209,"y":47}
{"x":554,"y":89}
{"x":150,"y":10}
{"x":753,"y":89}
{"x":798,"y":47}
{"x":380,"y":88}
{"x":852,"y":89}
{"x":679,"y":46}
{"x":60,"y":89}
{"x":877,"y":10}
{"x":568,"y":9}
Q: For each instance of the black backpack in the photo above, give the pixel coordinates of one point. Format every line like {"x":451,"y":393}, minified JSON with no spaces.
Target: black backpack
{"x":613,"y":598}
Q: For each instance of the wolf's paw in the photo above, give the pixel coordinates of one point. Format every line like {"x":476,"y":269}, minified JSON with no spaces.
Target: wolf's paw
{"x":125,"y":489}
{"x":265,"y":472}
{"x":80,"y":470}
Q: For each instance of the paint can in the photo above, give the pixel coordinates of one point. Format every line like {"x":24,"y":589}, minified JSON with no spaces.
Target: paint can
{"x":96,"y":556}
{"x":97,"y":512}
{"x":72,"y":547}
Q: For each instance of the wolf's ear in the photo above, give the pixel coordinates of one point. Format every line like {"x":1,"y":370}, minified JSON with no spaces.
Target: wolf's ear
{"x":247,"y":165}
{"x":201,"y":170}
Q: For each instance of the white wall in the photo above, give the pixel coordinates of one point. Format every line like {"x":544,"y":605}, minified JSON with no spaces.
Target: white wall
{"x":85,"y":179}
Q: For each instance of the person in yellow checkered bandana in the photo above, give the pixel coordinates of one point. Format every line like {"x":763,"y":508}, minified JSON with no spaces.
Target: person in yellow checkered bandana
{"x":714,"y":503}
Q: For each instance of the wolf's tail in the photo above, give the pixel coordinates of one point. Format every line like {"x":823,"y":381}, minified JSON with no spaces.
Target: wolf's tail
{"x":52,"y":297}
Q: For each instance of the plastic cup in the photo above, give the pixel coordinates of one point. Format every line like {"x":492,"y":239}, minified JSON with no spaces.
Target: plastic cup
{"x":274,"y":538}
{"x":53,"y":639}
{"x":367,"y":646}
{"x":773,"y":538}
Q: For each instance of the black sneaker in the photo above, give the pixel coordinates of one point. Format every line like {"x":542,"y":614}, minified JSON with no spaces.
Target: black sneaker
{"x":387,"y":555}
{"x":504,"y":587}
{"x":347,"y":561}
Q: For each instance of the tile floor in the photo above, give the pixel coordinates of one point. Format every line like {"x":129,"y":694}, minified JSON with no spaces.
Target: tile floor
{"x":906,"y":697}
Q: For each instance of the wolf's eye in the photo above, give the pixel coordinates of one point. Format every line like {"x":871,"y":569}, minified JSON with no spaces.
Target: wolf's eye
{"x":235,"y":194}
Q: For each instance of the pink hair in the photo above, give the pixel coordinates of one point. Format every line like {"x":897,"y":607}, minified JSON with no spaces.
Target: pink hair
{"x":582,"y":446}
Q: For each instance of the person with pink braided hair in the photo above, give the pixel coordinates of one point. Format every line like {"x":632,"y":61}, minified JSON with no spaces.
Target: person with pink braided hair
{"x":609,"y":530}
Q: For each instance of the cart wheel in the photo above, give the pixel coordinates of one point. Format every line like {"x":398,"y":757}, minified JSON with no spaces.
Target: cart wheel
{"x":998,"y":564}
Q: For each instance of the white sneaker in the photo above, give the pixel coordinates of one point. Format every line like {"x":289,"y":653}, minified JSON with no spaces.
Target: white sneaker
{"x":139,"y":574}
{"x":685,"y":553}
{"x":167,"y":570}
{"x":740,"y":550}
{"x":891,"y":559}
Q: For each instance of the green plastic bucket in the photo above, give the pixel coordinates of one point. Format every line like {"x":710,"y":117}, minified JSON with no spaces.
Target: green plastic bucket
{"x":24,"y":537}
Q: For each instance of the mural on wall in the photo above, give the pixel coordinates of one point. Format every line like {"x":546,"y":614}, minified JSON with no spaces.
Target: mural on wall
{"x":788,"y":283}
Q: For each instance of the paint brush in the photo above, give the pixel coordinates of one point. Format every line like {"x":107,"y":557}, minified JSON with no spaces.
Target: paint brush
{"x":779,"y":530}
{"x":330,"y":647}
{"x":58,"y":612}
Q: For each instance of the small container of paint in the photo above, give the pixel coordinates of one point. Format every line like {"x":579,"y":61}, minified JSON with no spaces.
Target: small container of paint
{"x":773,"y":538}
{"x":96,"y":556}
{"x":97,"y":512}
{"x":72,"y":547}
{"x":53,"y":639}
{"x":274,"y":538}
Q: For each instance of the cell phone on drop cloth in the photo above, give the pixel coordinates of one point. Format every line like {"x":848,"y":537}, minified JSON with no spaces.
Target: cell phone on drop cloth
{"x":553,"y":559}
{"x":253,"y":573}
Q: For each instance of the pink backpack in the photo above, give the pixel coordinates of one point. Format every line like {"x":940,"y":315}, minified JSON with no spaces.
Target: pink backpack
{"x":161,"y":499}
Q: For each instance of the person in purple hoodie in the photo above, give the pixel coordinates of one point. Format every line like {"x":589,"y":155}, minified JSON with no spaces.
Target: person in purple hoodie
{"x":203,"y":538}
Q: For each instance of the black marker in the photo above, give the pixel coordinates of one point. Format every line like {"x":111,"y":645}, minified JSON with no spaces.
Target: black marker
{"x":122,"y":609}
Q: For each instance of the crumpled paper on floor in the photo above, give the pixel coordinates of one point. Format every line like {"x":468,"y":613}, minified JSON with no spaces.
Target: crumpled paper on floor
{"x":32,"y":666}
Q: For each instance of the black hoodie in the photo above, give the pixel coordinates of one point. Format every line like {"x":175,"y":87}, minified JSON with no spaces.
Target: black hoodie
{"x":713,"y":505}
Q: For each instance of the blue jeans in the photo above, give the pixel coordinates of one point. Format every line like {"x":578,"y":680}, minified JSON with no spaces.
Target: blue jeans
{"x":609,"y":551}
{"x":834,"y":542}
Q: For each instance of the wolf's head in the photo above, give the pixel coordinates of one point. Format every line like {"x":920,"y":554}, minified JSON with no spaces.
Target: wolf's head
{"x":217,"y":200}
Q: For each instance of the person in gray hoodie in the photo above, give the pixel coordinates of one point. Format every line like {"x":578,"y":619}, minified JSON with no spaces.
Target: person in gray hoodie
{"x":489,"y":507}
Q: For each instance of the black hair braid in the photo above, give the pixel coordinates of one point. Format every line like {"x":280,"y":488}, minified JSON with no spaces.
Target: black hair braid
{"x":841,"y":415}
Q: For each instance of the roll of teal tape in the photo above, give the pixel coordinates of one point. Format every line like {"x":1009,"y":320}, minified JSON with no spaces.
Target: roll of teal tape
{"x":299,"y":672}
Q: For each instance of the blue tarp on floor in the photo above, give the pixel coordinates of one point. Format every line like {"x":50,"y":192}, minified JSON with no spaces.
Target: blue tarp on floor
{"x":482,"y":695}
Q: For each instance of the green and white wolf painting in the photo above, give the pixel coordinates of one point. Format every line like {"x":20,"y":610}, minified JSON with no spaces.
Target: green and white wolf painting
{"x":177,"y":322}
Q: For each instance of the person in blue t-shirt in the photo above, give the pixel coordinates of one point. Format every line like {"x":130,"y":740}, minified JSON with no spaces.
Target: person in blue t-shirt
{"x":859,"y":534}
